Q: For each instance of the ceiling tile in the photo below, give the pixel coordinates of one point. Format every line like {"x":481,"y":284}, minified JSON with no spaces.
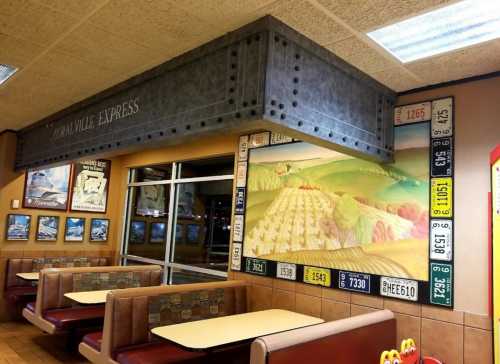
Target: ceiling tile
{"x":17,"y":52}
{"x":360,"y":55}
{"x":367,"y":15}
{"x":76,"y":8}
{"x":308,"y":20}
{"x":397,"y":78}
{"x":12,"y":7}
{"x":104,"y":49}
{"x":37,"y":24}
{"x":472,"y":61}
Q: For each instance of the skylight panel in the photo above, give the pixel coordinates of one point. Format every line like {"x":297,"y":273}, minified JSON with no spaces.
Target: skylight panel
{"x":6,"y":72}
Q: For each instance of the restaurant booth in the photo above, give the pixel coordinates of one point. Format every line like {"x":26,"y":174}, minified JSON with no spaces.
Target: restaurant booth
{"x":258,"y":175}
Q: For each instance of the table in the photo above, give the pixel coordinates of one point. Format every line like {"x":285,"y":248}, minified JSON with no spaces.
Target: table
{"x":88,"y":297}
{"x":210,"y":333}
{"x":31,"y":276}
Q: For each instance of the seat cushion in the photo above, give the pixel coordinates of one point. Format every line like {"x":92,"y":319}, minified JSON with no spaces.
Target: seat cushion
{"x":20,"y":293}
{"x":159,"y":353}
{"x":67,"y":318}
{"x":93,"y":340}
{"x":31,"y":306}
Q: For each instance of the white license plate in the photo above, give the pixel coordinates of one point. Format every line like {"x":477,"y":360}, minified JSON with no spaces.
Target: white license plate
{"x":441,"y":239}
{"x":404,"y":289}
{"x":286,"y":271}
{"x":238,"y":228}
{"x":241,"y":174}
{"x":412,"y":113}
{"x":442,"y":118}
{"x":236,"y":257}
{"x":243,"y":151}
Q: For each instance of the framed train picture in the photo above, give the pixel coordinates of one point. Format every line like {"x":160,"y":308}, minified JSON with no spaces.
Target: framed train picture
{"x":47,"y":188}
{"x":47,"y":228}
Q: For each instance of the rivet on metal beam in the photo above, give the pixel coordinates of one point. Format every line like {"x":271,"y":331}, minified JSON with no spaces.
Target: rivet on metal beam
{"x":272,"y":112}
{"x":188,"y":127}
{"x":294,"y":103}
{"x":300,"y":123}
{"x":174,"y":130}
{"x":202,"y":124}
{"x":219,"y":120}
{"x":316,"y":129}
{"x":283,"y":116}
{"x":295,"y":92}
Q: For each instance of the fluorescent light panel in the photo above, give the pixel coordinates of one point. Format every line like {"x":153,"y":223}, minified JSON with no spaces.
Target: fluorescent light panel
{"x":452,"y":27}
{"x":6,"y":72}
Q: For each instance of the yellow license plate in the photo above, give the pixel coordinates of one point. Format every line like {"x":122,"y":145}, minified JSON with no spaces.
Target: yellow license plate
{"x":319,"y":276}
{"x":441,"y":197}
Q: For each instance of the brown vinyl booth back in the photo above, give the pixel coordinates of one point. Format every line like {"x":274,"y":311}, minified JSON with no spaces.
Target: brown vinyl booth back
{"x":26,"y":265}
{"x":132,"y":313}
{"x":55,"y":282}
{"x":358,"y":339}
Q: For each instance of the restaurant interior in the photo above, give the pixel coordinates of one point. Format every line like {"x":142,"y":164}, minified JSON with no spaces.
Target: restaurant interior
{"x":260,"y":181}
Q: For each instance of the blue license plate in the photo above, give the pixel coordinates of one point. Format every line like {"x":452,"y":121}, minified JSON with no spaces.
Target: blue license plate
{"x":354,"y":281}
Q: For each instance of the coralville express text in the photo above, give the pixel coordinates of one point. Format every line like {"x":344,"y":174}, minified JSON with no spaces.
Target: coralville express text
{"x":97,"y":120}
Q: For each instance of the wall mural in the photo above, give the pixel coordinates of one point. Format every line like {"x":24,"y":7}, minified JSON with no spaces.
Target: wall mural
{"x":311,"y":214}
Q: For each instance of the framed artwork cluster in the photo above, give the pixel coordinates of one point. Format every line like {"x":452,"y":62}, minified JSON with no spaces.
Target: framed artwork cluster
{"x":49,"y":188}
{"x":157,"y":232}
{"x":47,"y":228}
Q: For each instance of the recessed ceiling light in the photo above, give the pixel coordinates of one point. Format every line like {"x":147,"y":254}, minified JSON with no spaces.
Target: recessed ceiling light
{"x":452,"y":27}
{"x":6,"y":72}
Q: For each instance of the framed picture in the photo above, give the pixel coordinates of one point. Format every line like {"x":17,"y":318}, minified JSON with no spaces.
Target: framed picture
{"x":137,"y":232}
{"x":47,"y":228}
{"x":90,"y":185}
{"x":99,"y":230}
{"x":75,"y":229}
{"x":152,"y":200}
{"x":157,"y":232}
{"x":18,"y":227}
{"x":47,"y":188}
{"x":193,"y":233}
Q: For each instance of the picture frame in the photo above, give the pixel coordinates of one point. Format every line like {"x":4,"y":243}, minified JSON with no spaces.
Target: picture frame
{"x":47,"y":228}
{"x":99,"y":230}
{"x":90,"y":186}
{"x":74,"y":229}
{"x":157,"y":232}
{"x":47,"y":188}
{"x":137,"y":232}
{"x":18,"y":227}
{"x":152,"y":200}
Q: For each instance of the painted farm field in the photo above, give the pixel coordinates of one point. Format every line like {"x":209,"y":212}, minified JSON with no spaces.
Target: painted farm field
{"x":310,"y":205}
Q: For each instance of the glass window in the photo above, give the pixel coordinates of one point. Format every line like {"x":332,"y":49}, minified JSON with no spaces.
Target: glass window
{"x":203,"y":223}
{"x":154,"y":173}
{"x":182,"y":276}
{"x":206,"y":167}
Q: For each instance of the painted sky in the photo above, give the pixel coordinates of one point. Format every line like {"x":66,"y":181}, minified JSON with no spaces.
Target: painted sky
{"x":411,"y":136}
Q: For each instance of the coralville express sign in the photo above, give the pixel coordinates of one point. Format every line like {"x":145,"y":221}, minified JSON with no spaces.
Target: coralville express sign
{"x":97,"y":120}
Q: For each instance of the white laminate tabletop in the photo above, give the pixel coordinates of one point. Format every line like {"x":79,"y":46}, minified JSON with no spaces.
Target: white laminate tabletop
{"x":89,"y":297}
{"x":31,"y":276}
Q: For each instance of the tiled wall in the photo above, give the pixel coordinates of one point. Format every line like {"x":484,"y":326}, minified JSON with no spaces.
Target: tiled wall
{"x":454,"y":337}
{"x":5,"y":314}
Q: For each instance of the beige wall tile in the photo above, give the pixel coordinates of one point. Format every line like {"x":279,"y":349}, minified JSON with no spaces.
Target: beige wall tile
{"x":260,"y":298}
{"x":361,"y":310}
{"x":441,"y":314}
{"x":308,"y":289}
{"x":332,"y":310}
{"x":366,"y":300}
{"x":408,"y":327}
{"x":336,"y":294}
{"x":478,"y":321}
{"x":477,"y":346}
{"x":308,"y":305}
{"x":261,"y":281}
{"x":442,"y":340}
{"x":283,"y":299}
{"x":413,"y":309}
{"x":238,"y":276}
{"x":284,"y":285}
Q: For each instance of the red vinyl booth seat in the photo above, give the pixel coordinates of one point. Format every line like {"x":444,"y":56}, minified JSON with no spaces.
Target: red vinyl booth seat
{"x":158,"y":353}
{"x":94,"y":340}
{"x":18,"y":294}
{"x":69,"y":318}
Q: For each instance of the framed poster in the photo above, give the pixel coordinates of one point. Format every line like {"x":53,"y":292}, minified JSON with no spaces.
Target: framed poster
{"x":74,"y":229}
{"x":90,"y":185}
{"x":152,"y":200}
{"x":158,"y":232}
{"x":99,"y":230}
{"x":317,"y":216}
{"x":47,"y":188}
{"x":137,"y":232}
{"x":18,"y":227}
{"x":47,"y":228}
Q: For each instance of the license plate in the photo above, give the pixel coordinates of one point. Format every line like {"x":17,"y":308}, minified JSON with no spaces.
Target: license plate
{"x":442,"y":118}
{"x":243,"y":150}
{"x":404,"y":289}
{"x":256,"y":266}
{"x":238,"y":228}
{"x":241,"y":174}
{"x":318,"y":276}
{"x":259,"y":139}
{"x":441,"y":197}
{"x":441,"y":284}
{"x":286,"y":271}
{"x":441,"y":157}
{"x":412,"y":113}
{"x":239,"y":204}
{"x":441,"y":239}
{"x":278,"y":138}
{"x":236,"y":257}
{"x":354,"y":281}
